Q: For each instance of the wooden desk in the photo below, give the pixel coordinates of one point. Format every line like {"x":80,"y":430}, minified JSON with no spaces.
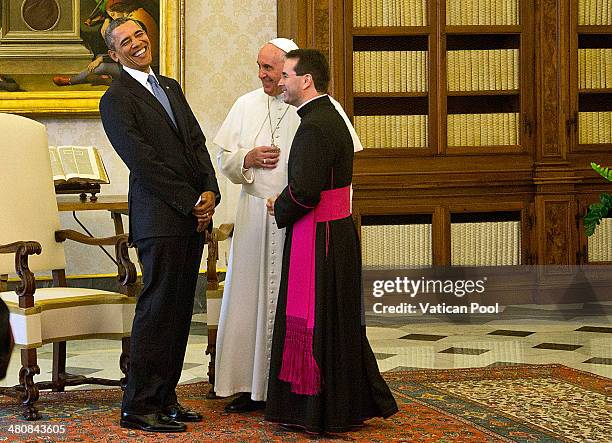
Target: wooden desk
{"x":115,"y":204}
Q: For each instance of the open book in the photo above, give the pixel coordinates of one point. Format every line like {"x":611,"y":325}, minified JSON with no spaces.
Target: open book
{"x":77,"y":164}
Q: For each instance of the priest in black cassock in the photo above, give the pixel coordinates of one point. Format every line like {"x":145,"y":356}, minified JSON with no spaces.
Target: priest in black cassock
{"x":323,"y":373}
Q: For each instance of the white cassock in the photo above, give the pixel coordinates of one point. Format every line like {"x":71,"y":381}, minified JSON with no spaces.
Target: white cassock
{"x":248,"y":307}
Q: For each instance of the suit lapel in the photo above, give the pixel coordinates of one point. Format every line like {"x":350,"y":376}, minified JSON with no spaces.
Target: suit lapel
{"x":144,"y":95}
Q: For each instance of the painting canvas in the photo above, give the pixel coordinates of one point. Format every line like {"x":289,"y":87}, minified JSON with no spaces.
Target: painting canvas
{"x":53,"y":59}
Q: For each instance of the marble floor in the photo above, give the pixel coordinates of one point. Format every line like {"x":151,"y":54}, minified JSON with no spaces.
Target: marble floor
{"x":576,"y":335}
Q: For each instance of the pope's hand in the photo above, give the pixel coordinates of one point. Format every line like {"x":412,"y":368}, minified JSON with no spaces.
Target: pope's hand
{"x":270,"y":205}
{"x":265,"y":157}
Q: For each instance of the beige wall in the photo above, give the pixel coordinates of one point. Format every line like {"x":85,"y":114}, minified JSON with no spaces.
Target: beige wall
{"x":221,"y":43}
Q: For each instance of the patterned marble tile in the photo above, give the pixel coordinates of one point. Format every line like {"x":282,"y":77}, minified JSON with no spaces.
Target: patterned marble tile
{"x":198,"y":328}
{"x":424,"y":342}
{"x":423,"y":337}
{"x":599,"y":361}
{"x":558,"y":346}
{"x":382,"y":356}
{"x":81,"y":371}
{"x":599,"y":329}
{"x":187,"y":366}
{"x":511,"y":333}
{"x":49,"y":355}
{"x":380,"y":333}
{"x":466,"y":351}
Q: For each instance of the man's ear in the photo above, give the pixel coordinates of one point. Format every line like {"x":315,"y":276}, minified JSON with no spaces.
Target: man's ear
{"x":308,"y":81}
{"x":113,"y":55}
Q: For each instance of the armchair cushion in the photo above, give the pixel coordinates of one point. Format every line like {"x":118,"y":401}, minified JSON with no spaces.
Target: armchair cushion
{"x":29,"y":205}
{"x":61,"y":314}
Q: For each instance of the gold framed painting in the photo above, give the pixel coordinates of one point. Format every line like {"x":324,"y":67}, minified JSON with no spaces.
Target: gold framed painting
{"x":53,"y":58}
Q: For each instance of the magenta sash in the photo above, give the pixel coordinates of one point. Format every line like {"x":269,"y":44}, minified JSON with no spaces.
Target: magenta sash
{"x":299,"y":367}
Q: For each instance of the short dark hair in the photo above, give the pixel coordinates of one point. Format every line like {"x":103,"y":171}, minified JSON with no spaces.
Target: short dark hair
{"x":108,"y":34}
{"x":313,"y":62}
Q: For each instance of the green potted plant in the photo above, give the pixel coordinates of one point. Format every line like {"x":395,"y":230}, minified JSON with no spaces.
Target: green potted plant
{"x":598,"y":211}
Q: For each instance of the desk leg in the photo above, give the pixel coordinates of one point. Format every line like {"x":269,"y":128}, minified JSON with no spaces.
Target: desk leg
{"x":118,"y":221}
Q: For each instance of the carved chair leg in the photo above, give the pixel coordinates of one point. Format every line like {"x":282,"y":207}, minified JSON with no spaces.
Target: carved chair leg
{"x":124,"y":360}
{"x":59,"y":366}
{"x":211,"y":349}
{"x":26,"y":379}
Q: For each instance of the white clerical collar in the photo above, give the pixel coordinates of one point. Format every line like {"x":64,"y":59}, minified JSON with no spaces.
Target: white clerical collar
{"x":308,"y":101}
{"x":140,"y":76}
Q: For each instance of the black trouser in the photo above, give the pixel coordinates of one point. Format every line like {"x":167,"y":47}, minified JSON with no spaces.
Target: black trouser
{"x":161,"y":324}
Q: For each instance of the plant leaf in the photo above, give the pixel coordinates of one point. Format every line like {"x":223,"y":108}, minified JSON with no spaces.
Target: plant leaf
{"x":596,"y":212}
{"x":605,"y":172}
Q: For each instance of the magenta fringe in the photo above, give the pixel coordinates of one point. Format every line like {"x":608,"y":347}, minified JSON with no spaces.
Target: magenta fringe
{"x":299,"y":367}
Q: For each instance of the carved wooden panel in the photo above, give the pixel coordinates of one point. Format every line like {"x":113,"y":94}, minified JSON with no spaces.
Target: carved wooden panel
{"x":555,"y":233}
{"x":548,"y":80}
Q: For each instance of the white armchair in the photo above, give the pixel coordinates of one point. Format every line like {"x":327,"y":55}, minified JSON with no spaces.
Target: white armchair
{"x":30,"y":233}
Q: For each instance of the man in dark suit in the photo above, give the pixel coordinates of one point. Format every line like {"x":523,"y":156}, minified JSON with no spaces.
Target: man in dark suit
{"x":173,"y":193}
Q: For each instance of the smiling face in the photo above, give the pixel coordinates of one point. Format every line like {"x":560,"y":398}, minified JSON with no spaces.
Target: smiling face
{"x":291,"y":84}
{"x":131,"y":47}
{"x":270,"y":61}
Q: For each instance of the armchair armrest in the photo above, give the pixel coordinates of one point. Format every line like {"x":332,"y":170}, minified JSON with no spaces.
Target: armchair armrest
{"x":27,"y":285}
{"x":126,"y":269}
{"x":225,"y":231}
{"x":69,"y":234}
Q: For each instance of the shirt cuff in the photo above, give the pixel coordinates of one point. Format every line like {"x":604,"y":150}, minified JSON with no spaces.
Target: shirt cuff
{"x":247,"y":174}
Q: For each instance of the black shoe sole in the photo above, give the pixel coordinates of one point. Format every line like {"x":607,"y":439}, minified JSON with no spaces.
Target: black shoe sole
{"x":130,"y":425}
{"x":187,"y":420}
{"x":244,"y":410}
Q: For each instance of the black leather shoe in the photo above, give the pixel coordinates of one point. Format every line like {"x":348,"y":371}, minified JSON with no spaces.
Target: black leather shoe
{"x":179,"y":413}
{"x":243,"y":403}
{"x":156,"y":422}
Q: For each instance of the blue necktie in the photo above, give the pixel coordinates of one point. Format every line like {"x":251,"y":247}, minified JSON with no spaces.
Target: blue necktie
{"x":161,"y":96}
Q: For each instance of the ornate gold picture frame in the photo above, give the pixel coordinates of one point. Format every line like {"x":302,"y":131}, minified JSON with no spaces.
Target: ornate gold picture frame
{"x":32,"y":43}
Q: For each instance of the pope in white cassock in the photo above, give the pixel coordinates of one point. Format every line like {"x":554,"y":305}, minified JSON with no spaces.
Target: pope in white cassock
{"x":254,"y":143}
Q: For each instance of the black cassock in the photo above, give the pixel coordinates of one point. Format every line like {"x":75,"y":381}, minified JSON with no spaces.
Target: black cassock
{"x":352,"y":389}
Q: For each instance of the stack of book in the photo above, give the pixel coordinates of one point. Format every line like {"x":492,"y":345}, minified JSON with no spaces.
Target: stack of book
{"x":390,"y":71}
{"x":599,"y":243}
{"x":392,"y":131}
{"x":595,"y":68}
{"x":594,"y":127}
{"x":396,"y":245}
{"x":367,"y":13}
{"x":500,"y":129}
{"x":595,"y":12}
{"x":483,"y":70}
{"x":486,"y":244}
{"x":482,"y":12}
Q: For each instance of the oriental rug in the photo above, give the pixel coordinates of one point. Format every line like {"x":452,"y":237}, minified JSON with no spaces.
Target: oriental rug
{"x":526,"y":403}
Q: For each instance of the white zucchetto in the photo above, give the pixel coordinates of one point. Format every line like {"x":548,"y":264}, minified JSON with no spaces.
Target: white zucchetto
{"x":284,"y":44}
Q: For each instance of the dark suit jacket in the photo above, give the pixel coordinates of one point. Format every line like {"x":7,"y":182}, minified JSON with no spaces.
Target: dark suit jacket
{"x":169,"y":167}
